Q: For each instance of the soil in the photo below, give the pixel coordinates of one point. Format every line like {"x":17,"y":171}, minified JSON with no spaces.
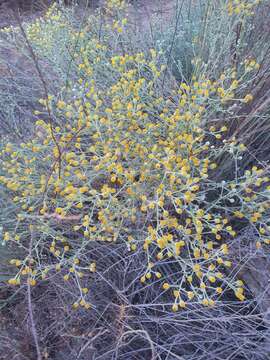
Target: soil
{"x":27,"y":9}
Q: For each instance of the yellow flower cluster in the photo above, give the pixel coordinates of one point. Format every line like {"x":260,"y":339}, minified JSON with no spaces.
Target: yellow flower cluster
{"x":52,"y":24}
{"x":242,"y":7}
{"x":115,"y":4}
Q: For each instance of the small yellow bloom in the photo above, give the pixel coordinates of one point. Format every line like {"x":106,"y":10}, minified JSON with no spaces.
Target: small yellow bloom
{"x":165,"y":286}
{"x":248,"y":98}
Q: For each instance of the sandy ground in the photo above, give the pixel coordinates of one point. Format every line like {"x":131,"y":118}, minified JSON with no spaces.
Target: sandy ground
{"x":140,"y":10}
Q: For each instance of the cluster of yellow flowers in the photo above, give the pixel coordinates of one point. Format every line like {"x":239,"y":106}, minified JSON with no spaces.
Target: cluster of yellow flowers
{"x":52,"y":24}
{"x":128,"y":160}
{"x":242,"y":7}
{"x":114,"y":5}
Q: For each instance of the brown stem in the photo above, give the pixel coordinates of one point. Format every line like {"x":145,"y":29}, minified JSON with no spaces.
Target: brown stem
{"x":34,"y":58}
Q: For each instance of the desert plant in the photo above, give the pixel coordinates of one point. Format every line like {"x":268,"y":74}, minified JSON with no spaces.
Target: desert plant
{"x":125,"y":158}
{"x":124,"y":152}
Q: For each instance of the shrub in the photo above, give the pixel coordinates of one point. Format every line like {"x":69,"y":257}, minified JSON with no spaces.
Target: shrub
{"x":123,"y":153}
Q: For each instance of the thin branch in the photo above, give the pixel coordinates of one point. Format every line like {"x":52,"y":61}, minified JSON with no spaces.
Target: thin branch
{"x":30,"y":307}
{"x":34,"y":58}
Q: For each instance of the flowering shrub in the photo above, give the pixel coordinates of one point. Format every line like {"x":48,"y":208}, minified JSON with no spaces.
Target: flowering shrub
{"x":123,"y":153}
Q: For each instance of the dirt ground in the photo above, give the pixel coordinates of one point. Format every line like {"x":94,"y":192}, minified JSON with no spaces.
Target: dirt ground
{"x":141,"y":10}
{"x":27,"y":9}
